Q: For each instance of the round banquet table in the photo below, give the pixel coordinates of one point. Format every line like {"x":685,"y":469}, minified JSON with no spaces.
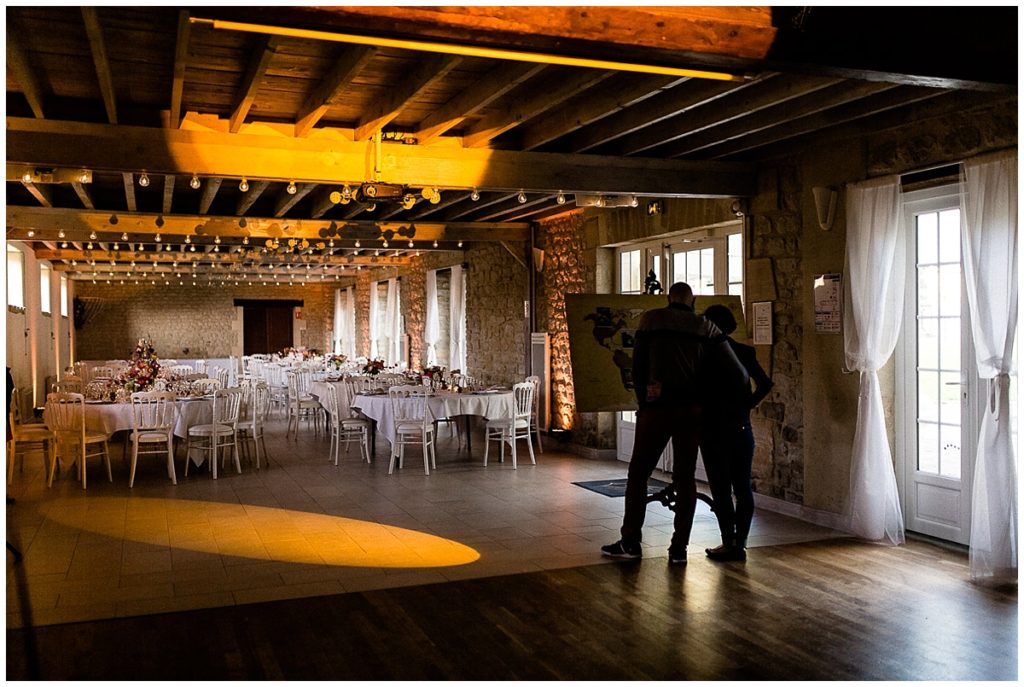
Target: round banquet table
{"x":491,"y":405}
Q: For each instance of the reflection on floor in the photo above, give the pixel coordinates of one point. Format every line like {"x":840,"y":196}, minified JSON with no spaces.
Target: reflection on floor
{"x":305,"y":527}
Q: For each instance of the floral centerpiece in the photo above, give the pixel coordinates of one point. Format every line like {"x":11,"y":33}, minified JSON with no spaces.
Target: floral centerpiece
{"x":336,"y":361}
{"x":143,"y":368}
{"x":373,"y":367}
{"x":435,"y":373}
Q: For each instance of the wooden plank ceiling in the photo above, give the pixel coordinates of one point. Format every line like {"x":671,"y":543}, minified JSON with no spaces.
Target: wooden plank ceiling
{"x":331,"y":138}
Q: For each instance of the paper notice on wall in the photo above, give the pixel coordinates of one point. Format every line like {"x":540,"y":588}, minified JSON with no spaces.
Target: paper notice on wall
{"x":828,"y":302}
{"x":762,"y":324}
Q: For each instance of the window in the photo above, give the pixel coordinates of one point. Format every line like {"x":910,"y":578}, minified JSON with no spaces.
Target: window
{"x":64,"y":306}
{"x":630,"y":279}
{"x":15,"y":277}
{"x":44,"y":289}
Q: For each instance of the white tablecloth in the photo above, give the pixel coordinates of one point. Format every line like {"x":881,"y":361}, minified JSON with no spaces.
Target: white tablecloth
{"x":441,"y":405}
{"x":114,"y":417}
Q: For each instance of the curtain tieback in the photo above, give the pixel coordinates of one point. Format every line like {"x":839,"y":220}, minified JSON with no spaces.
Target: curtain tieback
{"x":998,"y":387}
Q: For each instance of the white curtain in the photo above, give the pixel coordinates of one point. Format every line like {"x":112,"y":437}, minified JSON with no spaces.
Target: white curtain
{"x":457,"y":321}
{"x":873,"y":296}
{"x":989,"y":243}
{"x":432,"y":328}
{"x":339,"y":322}
{"x":374,"y":321}
{"x":393,"y":324}
{"x":349,"y":343}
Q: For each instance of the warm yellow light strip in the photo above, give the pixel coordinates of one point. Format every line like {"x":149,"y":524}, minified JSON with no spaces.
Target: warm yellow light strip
{"x":465,"y":50}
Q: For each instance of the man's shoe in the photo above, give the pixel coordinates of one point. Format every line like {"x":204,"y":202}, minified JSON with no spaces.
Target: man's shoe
{"x":677,"y":557}
{"x":621,"y":549}
{"x":727,"y":553}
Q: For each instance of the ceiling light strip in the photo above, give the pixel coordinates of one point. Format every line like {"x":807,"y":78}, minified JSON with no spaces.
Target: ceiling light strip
{"x":465,"y":50}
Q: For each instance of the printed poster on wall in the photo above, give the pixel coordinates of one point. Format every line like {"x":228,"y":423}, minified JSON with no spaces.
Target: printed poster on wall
{"x":828,"y":301}
{"x":602,"y":329}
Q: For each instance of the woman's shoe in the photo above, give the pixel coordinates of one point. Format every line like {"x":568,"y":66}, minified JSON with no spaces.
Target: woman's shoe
{"x":727,"y":552}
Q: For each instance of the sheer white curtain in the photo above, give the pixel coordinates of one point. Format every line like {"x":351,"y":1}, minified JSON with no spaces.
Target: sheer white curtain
{"x":339,"y":321}
{"x":393,"y":324}
{"x":873,"y":296}
{"x":375,"y":332}
{"x":989,"y":238}
{"x":432,"y":328}
{"x":457,"y":326}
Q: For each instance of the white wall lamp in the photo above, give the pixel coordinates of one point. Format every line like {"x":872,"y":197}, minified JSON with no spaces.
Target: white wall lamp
{"x":825,"y":205}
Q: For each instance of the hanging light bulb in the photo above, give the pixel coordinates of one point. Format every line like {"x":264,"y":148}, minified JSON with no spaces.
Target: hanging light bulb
{"x":358,"y":245}
{"x":521,"y":197}
{"x":460,"y":244}
{"x":194,"y":183}
{"x":92,"y":236}
{"x":143,"y":180}
{"x":410,"y":243}
{"x":633,"y":201}
{"x":26,"y":178}
{"x":216,"y":239}
{"x":243,"y":185}
{"x":385,"y":244}
{"x":408,"y":201}
{"x":292,"y":189}
{"x":245,"y":240}
{"x":89,"y":247}
{"x":188,"y":239}
{"x":116,"y":247}
{"x":158,"y":238}
{"x":371,"y":207}
{"x":435,"y":243}
{"x":31,"y":233}
{"x":560,"y":198}
{"x":60,"y":234}
{"x":124,"y":236}
{"x":474,"y":196}
{"x":64,"y":245}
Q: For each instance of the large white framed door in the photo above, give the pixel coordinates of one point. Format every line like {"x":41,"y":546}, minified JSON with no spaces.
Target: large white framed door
{"x":937,"y":385}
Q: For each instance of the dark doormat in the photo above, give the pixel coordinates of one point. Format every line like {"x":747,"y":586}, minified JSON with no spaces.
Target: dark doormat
{"x":617,"y":487}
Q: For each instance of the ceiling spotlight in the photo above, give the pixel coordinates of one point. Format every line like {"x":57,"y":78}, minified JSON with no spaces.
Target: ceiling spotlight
{"x":560,"y":198}
{"x":243,"y":185}
{"x":292,"y":189}
{"x":521,"y":197}
{"x":195,"y":181}
{"x":143,"y":180}
{"x":474,"y":196}
{"x":92,"y":236}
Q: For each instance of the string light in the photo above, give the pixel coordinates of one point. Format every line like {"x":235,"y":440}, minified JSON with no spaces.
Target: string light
{"x":92,"y":236}
{"x":474,"y":196}
{"x":243,"y":185}
{"x":124,"y":236}
{"x":143,"y":180}
{"x":195,"y":181}
{"x":521,"y":197}
{"x":435,"y":243}
{"x":292,"y":189}
{"x":560,"y":198}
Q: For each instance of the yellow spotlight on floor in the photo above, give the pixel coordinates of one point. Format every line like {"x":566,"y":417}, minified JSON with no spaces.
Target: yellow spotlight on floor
{"x":261,"y":533}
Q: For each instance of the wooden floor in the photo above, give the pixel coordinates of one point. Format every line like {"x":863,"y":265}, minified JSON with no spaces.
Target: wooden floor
{"x":830,"y":610}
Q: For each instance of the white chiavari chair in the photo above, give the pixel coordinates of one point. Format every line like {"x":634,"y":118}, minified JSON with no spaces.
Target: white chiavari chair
{"x":414,"y":425}
{"x":515,"y":427}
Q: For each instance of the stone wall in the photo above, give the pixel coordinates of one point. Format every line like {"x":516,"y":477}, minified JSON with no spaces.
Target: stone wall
{"x":187,"y":321}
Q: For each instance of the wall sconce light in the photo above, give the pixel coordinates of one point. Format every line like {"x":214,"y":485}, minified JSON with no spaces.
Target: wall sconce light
{"x":825,"y":205}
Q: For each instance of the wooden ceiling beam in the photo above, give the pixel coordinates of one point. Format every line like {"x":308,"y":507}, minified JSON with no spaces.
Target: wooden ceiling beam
{"x":286,"y":201}
{"x":650,"y":113}
{"x":626,"y":91}
{"x":754,"y":99}
{"x":98,"y":47}
{"x":83,"y":195}
{"x":78,"y":224}
{"x":866,"y":107}
{"x":21,"y":68}
{"x":447,"y":200}
{"x":209,"y":154}
{"x":321,"y":202}
{"x":44,"y":194}
{"x":518,"y":111}
{"x":263,"y":53}
{"x":256,"y":189}
{"x":511,"y":206}
{"x":168,"y":193}
{"x":774,"y":116}
{"x":209,"y":193}
{"x":489,"y":88}
{"x":129,"y":190}
{"x":345,"y":69}
{"x":180,"y":66}
{"x":250,"y":256}
{"x":427,"y":72}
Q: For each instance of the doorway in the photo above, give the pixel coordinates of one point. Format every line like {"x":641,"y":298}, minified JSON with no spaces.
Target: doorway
{"x":937,"y":383}
{"x":267,"y":326}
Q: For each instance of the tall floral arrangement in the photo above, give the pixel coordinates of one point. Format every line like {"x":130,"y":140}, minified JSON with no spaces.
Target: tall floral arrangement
{"x":143,"y":368}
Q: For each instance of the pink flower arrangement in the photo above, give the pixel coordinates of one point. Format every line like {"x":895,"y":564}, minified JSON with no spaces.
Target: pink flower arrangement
{"x":142,"y":370}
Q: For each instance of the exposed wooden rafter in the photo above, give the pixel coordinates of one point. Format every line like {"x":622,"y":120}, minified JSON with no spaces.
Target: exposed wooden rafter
{"x":429,"y":71}
{"x":346,"y":67}
{"x":99,"y":57}
{"x":180,"y":64}
{"x":21,"y":68}
{"x":263,"y":53}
